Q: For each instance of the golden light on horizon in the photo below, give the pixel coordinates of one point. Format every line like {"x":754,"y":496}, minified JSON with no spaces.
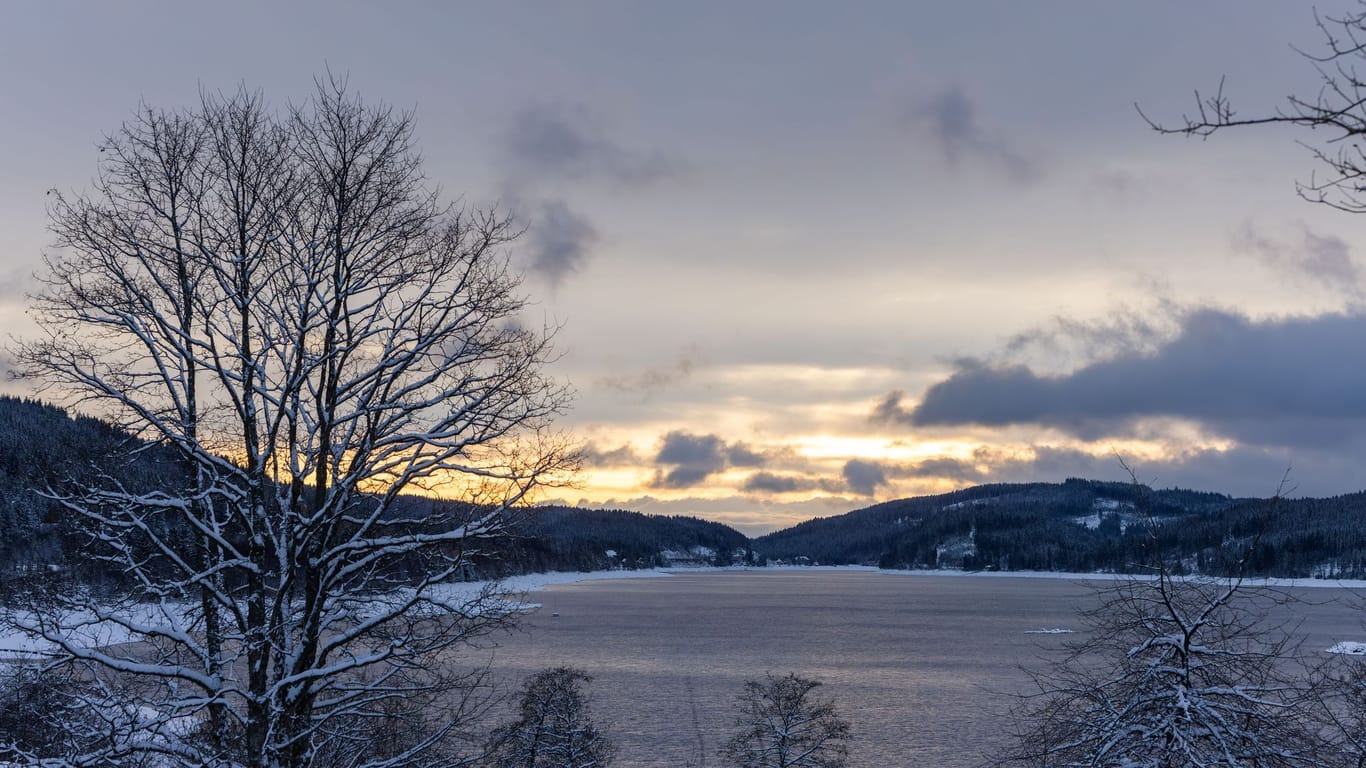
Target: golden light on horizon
{"x":874,"y":448}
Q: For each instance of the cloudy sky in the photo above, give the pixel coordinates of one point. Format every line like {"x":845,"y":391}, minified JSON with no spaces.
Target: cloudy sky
{"x":809,"y":256}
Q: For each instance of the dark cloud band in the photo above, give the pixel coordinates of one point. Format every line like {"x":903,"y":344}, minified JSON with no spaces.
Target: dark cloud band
{"x":686,"y":459}
{"x":1298,"y":381}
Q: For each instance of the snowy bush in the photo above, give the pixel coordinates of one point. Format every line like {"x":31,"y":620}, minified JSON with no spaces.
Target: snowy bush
{"x":1174,"y":673}
{"x":554,"y":729}
{"x":783,"y":724}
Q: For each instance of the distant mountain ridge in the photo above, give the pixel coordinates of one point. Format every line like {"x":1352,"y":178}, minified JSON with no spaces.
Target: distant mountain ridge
{"x":580,"y":539}
{"x":42,"y":447}
{"x":1078,"y":525}
{"x":1087,"y":525}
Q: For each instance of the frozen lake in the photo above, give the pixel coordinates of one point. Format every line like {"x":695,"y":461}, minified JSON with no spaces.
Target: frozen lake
{"x":919,"y":665}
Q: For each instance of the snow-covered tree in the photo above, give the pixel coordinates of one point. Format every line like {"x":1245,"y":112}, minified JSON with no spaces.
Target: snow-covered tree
{"x":784,"y":724}
{"x":554,"y":728}
{"x":281,"y":301}
{"x":41,"y":710}
{"x":1175,"y":671}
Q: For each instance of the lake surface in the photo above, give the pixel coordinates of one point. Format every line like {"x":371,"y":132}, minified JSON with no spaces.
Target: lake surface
{"x":922,"y":666}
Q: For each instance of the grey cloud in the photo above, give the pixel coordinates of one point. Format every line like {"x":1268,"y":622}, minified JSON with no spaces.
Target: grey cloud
{"x":687,"y":448}
{"x":1296,"y":381}
{"x":545,"y":147}
{"x":682,"y":477}
{"x":560,"y":240}
{"x":988,"y":465}
{"x":688,"y":458}
{"x":950,"y":118}
{"x":561,"y":142}
{"x":1061,"y":343}
{"x":953,"y":469}
{"x":770,"y":482}
{"x":1052,"y":461}
{"x":621,"y":456}
{"x":652,"y":381}
{"x":740,"y":455}
{"x":864,"y":477}
{"x":1328,"y":258}
{"x":892,"y":409}
{"x":1322,"y":259}
{"x":1069,"y":340}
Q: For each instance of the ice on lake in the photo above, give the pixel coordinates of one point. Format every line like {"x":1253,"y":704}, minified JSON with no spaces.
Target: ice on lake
{"x":923,"y":666}
{"x":1349,"y":648}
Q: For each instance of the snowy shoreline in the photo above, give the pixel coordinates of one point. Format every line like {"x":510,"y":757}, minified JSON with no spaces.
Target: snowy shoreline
{"x":1062,"y":575}
{"x":15,"y":645}
{"x":1072,"y":576}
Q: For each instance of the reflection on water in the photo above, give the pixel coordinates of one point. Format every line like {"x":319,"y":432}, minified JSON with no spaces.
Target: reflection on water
{"x":921,"y":665}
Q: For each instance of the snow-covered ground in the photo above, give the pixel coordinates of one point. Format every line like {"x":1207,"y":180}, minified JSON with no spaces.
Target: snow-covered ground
{"x":1101,"y":509}
{"x":86,"y":627}
{"x":1359,"y":584}
{"x":534,"y":582}
{"x":16,"y":644}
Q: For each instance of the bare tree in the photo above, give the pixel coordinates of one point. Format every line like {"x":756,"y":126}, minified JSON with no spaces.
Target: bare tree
{"x":281,"y":303}
{"x":1335,"y":115}
{"x":1339,"y":693}
{"x":1176,"y":671}
{"x":40,"y":709}
{"x":554,"y":728}
{"x":1336,"y":112}
{"x":784,"y":724}
{"x":1172,"y":673}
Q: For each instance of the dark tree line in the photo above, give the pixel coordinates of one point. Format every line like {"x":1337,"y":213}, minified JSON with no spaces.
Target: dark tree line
{"x":43,"y":448}
{"x":567,"y":538}
{"x":1084,"y":526}
{"x":1030,"y":526}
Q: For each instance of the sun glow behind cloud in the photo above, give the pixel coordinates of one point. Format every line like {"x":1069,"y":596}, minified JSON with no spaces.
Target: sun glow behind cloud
{"x":756,"y":292}
{"x":750,"y":451}
{"x":879,"y":448}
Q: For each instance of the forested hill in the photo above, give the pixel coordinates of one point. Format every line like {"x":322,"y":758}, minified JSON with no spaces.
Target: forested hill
{"x":43,"y":447}
{"x":570,"y":538}
{"x":1078,"y":525}
{"x":1083,"y":525}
